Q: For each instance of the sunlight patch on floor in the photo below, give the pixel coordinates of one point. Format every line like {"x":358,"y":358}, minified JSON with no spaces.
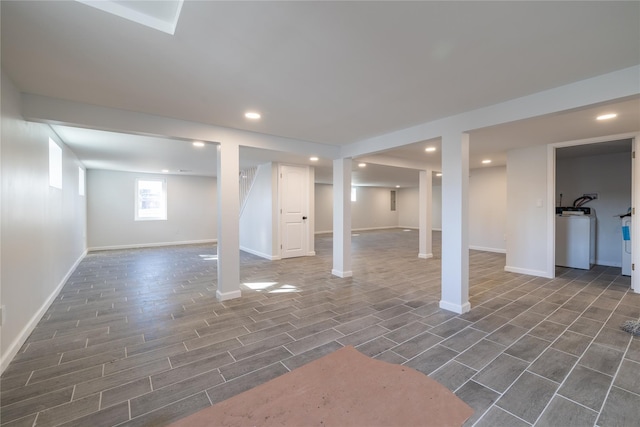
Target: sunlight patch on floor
{"x":271,"y":287}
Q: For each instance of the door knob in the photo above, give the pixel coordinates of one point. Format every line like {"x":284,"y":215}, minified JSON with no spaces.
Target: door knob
{"x":304,"y":217}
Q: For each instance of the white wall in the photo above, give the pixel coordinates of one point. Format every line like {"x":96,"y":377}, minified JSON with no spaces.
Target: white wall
{"x":191,"y":211}
{"x":488,"y":208}
{"x":42,"y":228}
{"x":610,"y":177}
{"x":324,"y":208}
{"x":408,"y":209}
{"x":527,"y":246}
{"x":371,"y":210}
{"x":256,"y":219}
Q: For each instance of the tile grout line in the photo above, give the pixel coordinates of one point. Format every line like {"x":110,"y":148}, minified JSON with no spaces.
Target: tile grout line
{"x":577,"y":362}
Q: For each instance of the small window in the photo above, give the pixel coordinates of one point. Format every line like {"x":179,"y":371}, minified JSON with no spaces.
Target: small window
{"x":353,"y":194}
{"x":80,"y":181}
{"x":151,"y":199}
{"x":55,"y":164}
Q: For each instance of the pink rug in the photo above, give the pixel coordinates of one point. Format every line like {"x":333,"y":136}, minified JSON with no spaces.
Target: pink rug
{"x":344,"y":388}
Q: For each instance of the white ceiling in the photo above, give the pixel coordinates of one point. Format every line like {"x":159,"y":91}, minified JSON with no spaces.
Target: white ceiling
{"x":328,"y":72}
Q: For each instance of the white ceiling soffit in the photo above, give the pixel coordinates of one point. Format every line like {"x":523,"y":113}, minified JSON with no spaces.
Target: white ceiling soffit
{"x":160,"y":15}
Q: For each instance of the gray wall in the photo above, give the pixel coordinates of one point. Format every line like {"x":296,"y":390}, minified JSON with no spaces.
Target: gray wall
{"x":43,"y":228}
{"x":191,"y":211}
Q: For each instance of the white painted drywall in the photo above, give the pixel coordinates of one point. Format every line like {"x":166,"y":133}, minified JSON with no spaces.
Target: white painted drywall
{"x":191,"y":211}
{"x":323,"y":208}
{"x":408,"y":207}
{"x":527,"y":211}
{"x":610,"y":177}
{"x":408,"y":199}
{"x":256,"y":219}
{"x":43,"y":228}
{"x":488,"y":208}
{"x":371,"y":210}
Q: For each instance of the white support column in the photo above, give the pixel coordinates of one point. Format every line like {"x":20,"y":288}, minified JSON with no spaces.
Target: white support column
{"x":455,"y":220}
{"x":425,"y":201}
{"x":228,"y":170}
{"x":342,"y":218}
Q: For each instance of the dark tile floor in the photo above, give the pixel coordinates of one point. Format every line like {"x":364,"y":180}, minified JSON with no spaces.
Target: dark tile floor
{"x":137,"y":337}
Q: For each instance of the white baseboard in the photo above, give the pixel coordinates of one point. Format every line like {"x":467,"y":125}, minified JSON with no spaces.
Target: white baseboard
{"x":485,"y":249}
{"x":373,"y":228}
{"x":608,"y":263}
{"x":260,"y":254}
{"x":376,"y":228}
{"x":152,"y":245}
{"x":456,"y":308}
{"x":538,"y":273}
{"x":342,"y":274}
{"x":225,"y":296}
{"x":425,"y":256}
{"x":14,"y":347}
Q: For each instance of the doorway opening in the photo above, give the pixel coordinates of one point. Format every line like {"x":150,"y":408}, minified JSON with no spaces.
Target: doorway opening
{"x":592,"y":191}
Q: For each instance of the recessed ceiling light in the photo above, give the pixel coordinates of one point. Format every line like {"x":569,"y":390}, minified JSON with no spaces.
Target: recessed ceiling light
{"x":430,"y":149}
{"x":397,"y":186}
{"x":252,"y":115}
{"x":607,"y":116}
{"x":362,"y":165}
{"x":439,"y":174}
{"x":165,"y":170}
{"x":313,"y":159}
{"x":486,"y":161}
{"x":198,"y":144}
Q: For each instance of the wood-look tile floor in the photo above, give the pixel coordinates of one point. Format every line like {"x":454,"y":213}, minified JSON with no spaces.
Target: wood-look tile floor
{"x":137,"y":338}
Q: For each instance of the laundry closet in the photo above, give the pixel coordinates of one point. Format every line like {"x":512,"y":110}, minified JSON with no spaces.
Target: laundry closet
{"x":593,"y":197}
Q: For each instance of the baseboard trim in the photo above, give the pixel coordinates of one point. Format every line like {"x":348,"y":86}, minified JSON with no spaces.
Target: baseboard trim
{"x":14,"y":347}
{"x":260,"y":254}
{"x":225,"y":296}
{"x":456,"y":308}
{"x":152,"y":245}
{"x":342,"y":274}
{"x":425,"y":256}
{"x":485,"y":249}
{"x":528,"y":272}
{"x":399,"y":227}
{"x":608,"y":263}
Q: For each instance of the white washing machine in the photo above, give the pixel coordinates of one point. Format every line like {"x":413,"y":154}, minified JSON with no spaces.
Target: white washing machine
{"x":626,"y":246}
{"x":575,"y":237}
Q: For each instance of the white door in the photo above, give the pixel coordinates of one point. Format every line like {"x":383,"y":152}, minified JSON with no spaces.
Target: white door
{"x":294,"y":202}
